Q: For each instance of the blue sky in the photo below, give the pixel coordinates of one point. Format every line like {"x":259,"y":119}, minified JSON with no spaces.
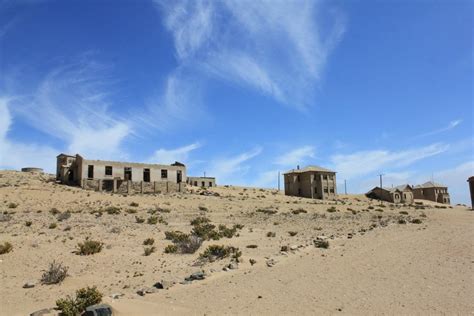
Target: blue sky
{"x":243,"y":89}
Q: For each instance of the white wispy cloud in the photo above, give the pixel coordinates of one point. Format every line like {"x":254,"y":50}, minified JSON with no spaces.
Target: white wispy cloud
{"x":446,"y":128}
{"x":279,"y":48}
{"x":365,"y":162}
{"x":169,"y":156}
{"x":15,"y":155}
{"x":296,"y":156}
{"x":71,"y":104}
{"x":232,"y":170}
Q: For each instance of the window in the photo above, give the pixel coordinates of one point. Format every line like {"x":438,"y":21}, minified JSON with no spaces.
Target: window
{"x":331,"y":190}
{"x":210,"y":184}
{"x":195,"y":183}
{"x":146,"y":175}
{"x":298,"y":178}
{"x":179,"y":176}
{"x":396,"y":196}
{"x":164,"y":174}
{"x":326,"y":190}
{"x":127,"y":171}
{"x":325,"y":177}
{"x":315,"y":190}
{"x":203,"y":184}
{"x":90,"y":172}
{"x":108,"y":170}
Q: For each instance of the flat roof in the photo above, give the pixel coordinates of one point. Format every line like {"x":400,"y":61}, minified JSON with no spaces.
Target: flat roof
{"x":310,"y":169}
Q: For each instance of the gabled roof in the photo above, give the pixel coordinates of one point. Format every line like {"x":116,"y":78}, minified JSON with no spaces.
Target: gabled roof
{"x":63,"y":154}
{"x":310,"y":169}
{"x":429,"y":184}
{"x":400,"y":188}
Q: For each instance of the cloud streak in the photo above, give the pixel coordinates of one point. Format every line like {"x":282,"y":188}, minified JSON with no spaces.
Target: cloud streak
{"x":169,"y":156}
{"x":231,"y":170}
{"x":296,"y":156}
{"x":448,"y":127}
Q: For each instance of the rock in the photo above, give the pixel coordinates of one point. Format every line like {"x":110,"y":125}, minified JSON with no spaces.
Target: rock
{"x":29,"y":285}
{"x":196,"y":276}
{"x":321,"y":238}
{"x":349,"y":236}
{"x":116,"y":296}
{"x":293,"y":247}
{"x":147,"y":290}
{"x":252,"y":261}
{"x":45,"y":312}
{"x":271,"y":263}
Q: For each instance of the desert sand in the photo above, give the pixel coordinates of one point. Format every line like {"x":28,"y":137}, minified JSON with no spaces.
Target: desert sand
{"x":378,"y":261}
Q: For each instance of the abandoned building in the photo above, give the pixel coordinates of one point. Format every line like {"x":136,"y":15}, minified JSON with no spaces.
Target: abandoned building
{"x":398,"y":194}
{"x":121,"y":177}
{"x":203,"y":182}
{"x":432,"y":191}
{"x":311,"y":182}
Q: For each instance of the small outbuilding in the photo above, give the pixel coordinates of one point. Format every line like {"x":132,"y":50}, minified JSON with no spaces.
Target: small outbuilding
{"x":203,"y":182}
{"x":398,"y":194}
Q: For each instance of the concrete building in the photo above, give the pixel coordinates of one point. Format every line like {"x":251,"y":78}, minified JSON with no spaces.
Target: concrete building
{"x":432,"y":191}
{"x":471,"y":190}
{"x":311,"y":182}
{"x":398,"y":194}
{"x":122,"y":177}
{"x":203,"y":182}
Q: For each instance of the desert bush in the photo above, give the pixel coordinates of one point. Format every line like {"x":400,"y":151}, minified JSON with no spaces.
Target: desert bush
{"x":217,"y":252}
{"x":267,"y":211}
{"x":205,"y":231}
{"x":403,"y":212}
{"x":12,"y":205}
{"x":131,"y":211}
{"x":112,"y":210}
{"x":73,"y":306}
{"x":89,"y":247}
{"x":416,"y":221}
{"x":152,"y":220}
{"x":63,"y":216}
{"x":6,"y":247}
{"x":149,"y":250}
{"x":299,"y":211}
{"x":318,"y":243}
{"x":401,"y":221}
{"x":148,"y":241}
{"x":271,"y":234}
{"x":284,"y":248}
{"x":423,"y":215}
{"x":54,"y":211}
{"x":203,"y":208}
{"x":252,"y":246}
{"x":378,"y":210}
{"x":332,"y":209}
{"x":370,"y":207}
{"x":190,"y":245}
{"x":200,"y":221}
{"x":28,"y":223}
{"x":139,"y":220}
{"x":224,"y":231}
{"x":56,"y":273}
{"x":292,"y":233}
{"x":52,"y":226}
{"x":171,"y":249}
{"x":134,"y":204}
{"x":176,"y":236}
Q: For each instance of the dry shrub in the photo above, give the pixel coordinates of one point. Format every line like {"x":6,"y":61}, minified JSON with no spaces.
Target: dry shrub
{"x":56,"y":273}
{"x":73,"y":306}
{"x":6,"y":247}
{"x":89,"y":247}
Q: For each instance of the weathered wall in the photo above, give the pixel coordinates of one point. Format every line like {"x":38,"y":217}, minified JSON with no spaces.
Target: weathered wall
{"x":132,"y":187}
{"x":311,"y":185}
{"x":205,"y":182}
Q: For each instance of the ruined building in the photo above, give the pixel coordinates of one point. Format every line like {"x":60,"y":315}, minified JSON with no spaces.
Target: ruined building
{"x":121,"y":177}
{"x":203,"y":182}
{"x":398,"y":194}
{"x":311,"y":182}
{"x":432,"y":191}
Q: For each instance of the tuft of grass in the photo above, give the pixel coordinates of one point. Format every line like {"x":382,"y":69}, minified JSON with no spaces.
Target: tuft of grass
{"x":267,"y":211}
{"x":403,"y":212}
{"x":139,"y":220}
{"x":134,"y":204}
{"x":171,"y":249}
{"x":12,"y":205}
{"x":52,"y":226}
{"x":6,"y":247}
{"x":55,"y":273}
{"x":131,"y":211}
{"x":28,"y":223}
{"x":416,"y":221}
{"x":271,"y":234}
{"x":332,"y":209}
{"x":148,"y":241}
{"x":299,"y":211}
{"x":112,"y":210}
{"x":371,"y":207}
{"x":54,"y":211}
{"x":318,"y":243}
{"x":149,"y":250}
{"x":73,"y":306}
{"x":89,"y":247}
{"x":252,"y":246}
{"x":176,"y":236}
{"x":203,"y":208}
{"x":292,"y":233}
{"x":378,"y":210}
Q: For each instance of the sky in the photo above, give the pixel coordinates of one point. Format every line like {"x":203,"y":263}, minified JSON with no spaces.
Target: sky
{"x":244,"y":89}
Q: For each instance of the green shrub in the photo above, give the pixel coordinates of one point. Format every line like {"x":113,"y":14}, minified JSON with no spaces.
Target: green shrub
{"x":52,"y":226}
{"x":252,"y":246}
{"x":152,"y":220}
{"x":131,"y":211}
{"x":112,"y":210}
{"x":171,"y":249}
{"x":219,"y":252}
{"x":73,"y":306}
{"x":176,"y":236}
{"x":332,"y":209}
{"x":205,"y":231}
{"x":189,"y":245}
{"x":200,"y":221}
{"x":149,"y":250}
{"x":402,"y":221}
{"x":89,"y":247}
{"x":370,"y":207}
{"x":6,"y":247}
{"x":12,"y":205}
{"x":148,"y":241}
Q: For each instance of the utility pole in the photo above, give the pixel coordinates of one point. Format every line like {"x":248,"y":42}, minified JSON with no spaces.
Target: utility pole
{"x":345,"y":186}
{"x":204,"y":174}
{"x":381,"y":175}
{"x":278,"y":180}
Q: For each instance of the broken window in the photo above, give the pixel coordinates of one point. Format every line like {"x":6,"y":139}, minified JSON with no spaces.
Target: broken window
{"x":164,"y":174}
{"x":90,"y":172}
{"x":146,"y":175}
{"x":210,"y":184}
{"x":127,"y":171}
{"x":179,"y":176}
{"x":203,"y":184}
{"x":325,"y":177}
{"x":326,"y":190}
{"x":108,"y":170}
{"x":195,"y":183}
{"x":331,"y":190}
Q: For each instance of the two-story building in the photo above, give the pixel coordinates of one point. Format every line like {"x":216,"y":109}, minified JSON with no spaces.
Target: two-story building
{"x":311,"y":182}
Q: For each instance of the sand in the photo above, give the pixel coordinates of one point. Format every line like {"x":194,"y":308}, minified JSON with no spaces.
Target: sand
{"x":374,"y":265}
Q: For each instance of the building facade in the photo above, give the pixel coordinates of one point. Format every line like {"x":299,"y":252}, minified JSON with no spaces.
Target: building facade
{"x":311,"y":182}
{"x":203,"y":182}
{"x":432,"y":191}
{"x":398,"y":194}
{"x":120,"y":176}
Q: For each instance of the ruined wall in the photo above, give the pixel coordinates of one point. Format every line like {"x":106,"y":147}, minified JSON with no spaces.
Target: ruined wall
{"x":132,"y":187}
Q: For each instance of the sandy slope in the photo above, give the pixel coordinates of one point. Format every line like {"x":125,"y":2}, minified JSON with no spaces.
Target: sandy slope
{"x":386,"y":268}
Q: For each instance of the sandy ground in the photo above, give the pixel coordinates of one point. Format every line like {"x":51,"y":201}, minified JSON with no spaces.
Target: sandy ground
{"x":374,"y":265}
